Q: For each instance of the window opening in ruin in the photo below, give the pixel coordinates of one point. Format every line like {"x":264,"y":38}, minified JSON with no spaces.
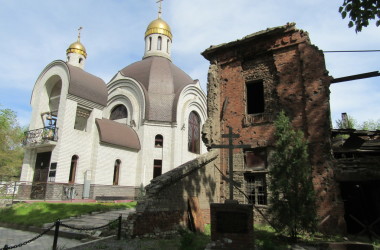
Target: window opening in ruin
{"x":361,"y":204}
{"x":158,"y":141}
{"x":255,"y":97}
{"x":159,"y":43}
{"x":119,"y":112}
{"x":116,"y":171}
{"x":194,"y":133}
{"x":255,"y":159}
{"x":157,"y":168}
{"x":73,"y":168}
{"x":81,"y":119}
{"x":255,"y":188}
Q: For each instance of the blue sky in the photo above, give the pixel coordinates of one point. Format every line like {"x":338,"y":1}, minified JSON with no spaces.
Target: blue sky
{"x":34,"y":33}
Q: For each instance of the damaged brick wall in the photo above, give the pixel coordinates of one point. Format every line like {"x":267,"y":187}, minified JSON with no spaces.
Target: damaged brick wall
{"x":294,"y":78}
{"x":165,"y":206}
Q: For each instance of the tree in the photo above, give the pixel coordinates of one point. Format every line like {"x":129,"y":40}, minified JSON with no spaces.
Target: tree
{"x":349,"y":122}
{"x":370,"y":125}
{"x":292,"y":200}
{"x":360,"y":12}
{"x":11,"y":152}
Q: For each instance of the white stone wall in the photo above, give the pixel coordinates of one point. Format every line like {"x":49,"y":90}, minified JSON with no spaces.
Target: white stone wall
{"x":149,"y":152}
{"x":75,"y":142}
{"x":107,"y":155}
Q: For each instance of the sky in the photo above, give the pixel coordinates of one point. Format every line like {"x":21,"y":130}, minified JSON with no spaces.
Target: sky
{"x":35,"y":33}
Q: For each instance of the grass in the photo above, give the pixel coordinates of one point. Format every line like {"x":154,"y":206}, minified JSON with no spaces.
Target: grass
{"x":39,"y":213}
{"x":266,"y":238}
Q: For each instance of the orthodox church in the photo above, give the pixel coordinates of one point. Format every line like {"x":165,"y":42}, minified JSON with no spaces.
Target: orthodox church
{"x":90,"y":139}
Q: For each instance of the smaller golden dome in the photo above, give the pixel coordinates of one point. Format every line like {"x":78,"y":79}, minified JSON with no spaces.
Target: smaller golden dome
{"x":158,"y":26}
{"x":77,"y":47}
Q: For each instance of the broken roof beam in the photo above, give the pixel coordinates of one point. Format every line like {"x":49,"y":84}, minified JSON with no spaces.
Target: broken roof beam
{"x":356,"y":77}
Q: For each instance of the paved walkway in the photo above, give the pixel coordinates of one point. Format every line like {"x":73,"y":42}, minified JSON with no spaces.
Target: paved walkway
{"x":13,"y":237}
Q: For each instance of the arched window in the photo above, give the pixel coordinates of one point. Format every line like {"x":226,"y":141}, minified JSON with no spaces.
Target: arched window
{"x":116,"y":171}
{"x":158,"y":141}
{"x":150,"y":43}
{"x":73,"y":168}
{"x":54,"y":98}
{"x":167,"y":46}
{"x":119,"y":112}
{"x":194,"y":133}
{"x":159,"y":43}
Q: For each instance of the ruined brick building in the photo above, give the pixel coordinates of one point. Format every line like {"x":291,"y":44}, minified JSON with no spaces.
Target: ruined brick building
{"x":250,"y":81}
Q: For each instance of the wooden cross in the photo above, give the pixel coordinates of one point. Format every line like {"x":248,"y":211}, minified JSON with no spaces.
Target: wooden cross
{"x":230,"y":147}
{"x":159,"y":8}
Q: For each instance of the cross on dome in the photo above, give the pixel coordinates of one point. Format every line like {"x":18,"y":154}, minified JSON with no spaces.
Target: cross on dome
{"x":79,"y":30}
{"x":159,"y":8}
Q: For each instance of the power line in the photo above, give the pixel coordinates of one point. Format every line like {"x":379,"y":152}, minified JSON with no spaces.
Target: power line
{"x":350,"y":51}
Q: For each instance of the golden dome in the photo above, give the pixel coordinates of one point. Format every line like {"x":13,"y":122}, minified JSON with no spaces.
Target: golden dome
{"x":77,"y":47}
{"x":158,"y":26}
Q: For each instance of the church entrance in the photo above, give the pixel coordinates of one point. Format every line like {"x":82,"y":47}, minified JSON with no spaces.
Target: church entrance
{"x":41,"y":171}
{"x":362,"y":207}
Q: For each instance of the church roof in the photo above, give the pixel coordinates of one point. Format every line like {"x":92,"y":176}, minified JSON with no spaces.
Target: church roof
{"x":87,"y":86}
{"x":117,"y":134}
{"x":163,"y":81}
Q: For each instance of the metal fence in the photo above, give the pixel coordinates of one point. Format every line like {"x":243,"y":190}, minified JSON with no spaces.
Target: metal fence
{"x":59,"y":224}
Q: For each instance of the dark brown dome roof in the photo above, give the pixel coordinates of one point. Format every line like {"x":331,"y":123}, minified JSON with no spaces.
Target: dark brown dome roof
{"x":87,"y":86}
{"x":163,"y":81}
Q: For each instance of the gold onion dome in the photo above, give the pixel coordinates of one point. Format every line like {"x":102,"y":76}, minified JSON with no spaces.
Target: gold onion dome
{"x":158,"y":26}
{"x":77,"y":47}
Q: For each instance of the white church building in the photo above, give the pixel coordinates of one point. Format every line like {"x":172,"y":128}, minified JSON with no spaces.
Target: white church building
{"x":89,"y":139}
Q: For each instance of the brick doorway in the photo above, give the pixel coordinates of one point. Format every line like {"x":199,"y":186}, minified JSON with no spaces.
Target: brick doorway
{"x":362,"y":206}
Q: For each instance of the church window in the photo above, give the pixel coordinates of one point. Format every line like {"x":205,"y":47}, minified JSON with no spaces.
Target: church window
{"x":255,"y":97}
{"x":80,"y":60}
{"x":159,"y":43}
{"x":73,"y":168}
{"x":54,"y":98}
{"x":255,"y":188}
{"x":150,"y":43}
{"x":167,"y":46}
{"x":119,"y":112}
{"x":157,"y":168}
{"x":255,"y":159}
{"x":158,"y":141}
{"x":116,"y":171}
{"x":194,"y":133}
{"x":81,"y":119}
